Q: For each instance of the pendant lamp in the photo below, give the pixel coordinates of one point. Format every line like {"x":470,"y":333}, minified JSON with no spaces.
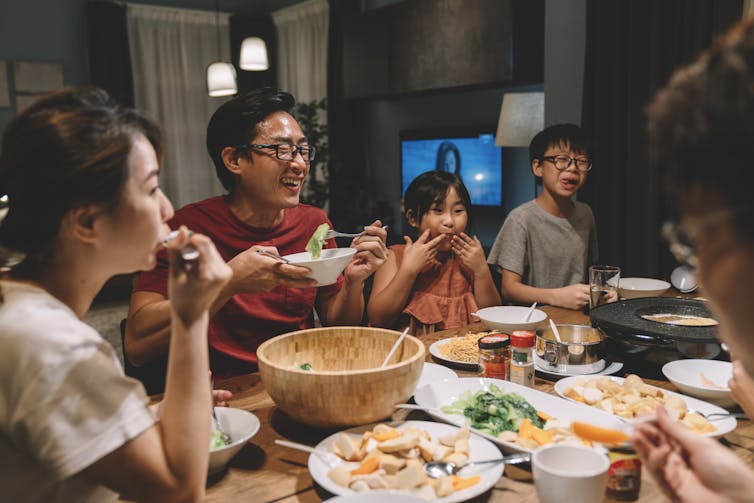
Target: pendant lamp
{"x":253,"y":55}
{"x":221,"y":76}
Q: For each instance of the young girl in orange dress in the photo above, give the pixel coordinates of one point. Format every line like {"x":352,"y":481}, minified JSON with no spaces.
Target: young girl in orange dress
{"x":439,"y":280}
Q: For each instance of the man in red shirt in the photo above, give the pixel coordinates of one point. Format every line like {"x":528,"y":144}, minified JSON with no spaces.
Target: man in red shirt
{"x":262,"y":157}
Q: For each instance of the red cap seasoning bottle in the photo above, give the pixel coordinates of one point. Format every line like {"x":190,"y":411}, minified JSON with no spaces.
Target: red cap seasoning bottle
{"x":494,"y":356}
{"x":522,"y":362}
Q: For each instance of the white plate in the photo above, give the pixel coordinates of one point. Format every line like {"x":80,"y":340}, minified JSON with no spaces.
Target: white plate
{"x":434,"y":350}
{"x":377,"y":497}
{"x":610,"y":369}
{"x":432,"y":372}
{"x":687,"y":376}
{"x":479,"y":449}
{"x":436,"y":396}
{"x":723,"y":425}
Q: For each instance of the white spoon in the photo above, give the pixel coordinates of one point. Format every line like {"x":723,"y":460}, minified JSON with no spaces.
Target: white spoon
{"x":528,"y":313}
{"x":328,"y":458}
{"x":395,"y":346}
{"x":555,"y":331}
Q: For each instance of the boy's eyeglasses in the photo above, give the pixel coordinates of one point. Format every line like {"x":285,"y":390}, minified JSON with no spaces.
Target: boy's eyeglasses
{"x":563,"y":162}
{"x":285,"y":151}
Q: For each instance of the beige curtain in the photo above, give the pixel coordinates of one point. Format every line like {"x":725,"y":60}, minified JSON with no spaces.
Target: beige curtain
{"x":170,"y":51}
{"x":302,"y":49}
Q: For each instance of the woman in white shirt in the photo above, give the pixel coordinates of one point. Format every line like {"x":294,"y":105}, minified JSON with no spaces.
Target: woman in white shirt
{"x":81,"y":175}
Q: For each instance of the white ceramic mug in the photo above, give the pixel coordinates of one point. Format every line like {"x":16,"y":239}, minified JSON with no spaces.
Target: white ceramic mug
{"x":565,"y":472}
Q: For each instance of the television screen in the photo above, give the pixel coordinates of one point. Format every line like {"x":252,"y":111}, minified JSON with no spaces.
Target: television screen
{"x":472,"y":154}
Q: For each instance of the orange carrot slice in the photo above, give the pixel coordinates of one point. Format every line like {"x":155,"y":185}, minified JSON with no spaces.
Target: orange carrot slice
{"x":367,"y":466}
{"x":544,"y":416}
{"x":598,"y":434}
{"x":460,"y":483}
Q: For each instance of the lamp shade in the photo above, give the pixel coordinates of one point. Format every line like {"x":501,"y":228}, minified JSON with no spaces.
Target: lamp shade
{"x":221,"y":79}
{"x":522,"y":116}
{"x":253,"y":55}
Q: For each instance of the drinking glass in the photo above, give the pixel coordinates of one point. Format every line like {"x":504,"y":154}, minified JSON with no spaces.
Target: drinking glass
{"x":603,"y":284}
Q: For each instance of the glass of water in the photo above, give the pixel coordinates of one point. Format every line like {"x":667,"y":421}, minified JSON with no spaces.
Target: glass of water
{"x":603,"y":284}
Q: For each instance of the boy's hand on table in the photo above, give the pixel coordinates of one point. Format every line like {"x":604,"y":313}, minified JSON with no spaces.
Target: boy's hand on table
{"x":572,"y":296}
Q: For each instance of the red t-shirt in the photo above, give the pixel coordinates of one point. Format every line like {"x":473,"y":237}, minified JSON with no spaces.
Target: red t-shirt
{"x":249,"y":319}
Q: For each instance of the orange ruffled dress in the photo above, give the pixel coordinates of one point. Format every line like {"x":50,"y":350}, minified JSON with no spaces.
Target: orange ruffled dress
{"x":442,"y":297}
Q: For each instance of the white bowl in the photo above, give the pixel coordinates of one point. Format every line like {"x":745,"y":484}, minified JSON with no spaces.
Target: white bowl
{"x":510,"y":318}
{"x":633,"y":288}
{"x":687,"y":376}
{"x":684,"y":279}
{"x":327,"y":267}
{"x":240,"y":425}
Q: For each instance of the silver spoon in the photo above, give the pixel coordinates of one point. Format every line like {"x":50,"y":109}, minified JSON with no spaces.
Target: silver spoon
{"x":436,"y":469}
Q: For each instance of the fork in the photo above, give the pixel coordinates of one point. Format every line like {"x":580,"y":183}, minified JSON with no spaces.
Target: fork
{"x":335,"y":234}
{"x":719,"y":415}
{"x":225,"y":436}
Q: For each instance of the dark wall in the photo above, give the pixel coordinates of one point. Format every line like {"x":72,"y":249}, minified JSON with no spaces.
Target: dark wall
{"x":383,"y":119}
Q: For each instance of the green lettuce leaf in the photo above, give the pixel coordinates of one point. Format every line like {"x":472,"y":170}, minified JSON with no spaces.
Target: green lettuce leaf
{"x":314,"y":246}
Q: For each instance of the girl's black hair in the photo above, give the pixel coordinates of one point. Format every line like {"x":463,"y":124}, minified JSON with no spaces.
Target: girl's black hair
{"x":429,"y":188}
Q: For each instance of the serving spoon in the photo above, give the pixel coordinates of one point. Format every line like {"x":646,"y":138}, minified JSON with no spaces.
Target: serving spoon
{"x":436,"y":469}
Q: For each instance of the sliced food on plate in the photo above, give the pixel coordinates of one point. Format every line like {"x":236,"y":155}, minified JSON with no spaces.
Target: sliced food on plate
{"x":631,"y":398}
{"x":516,"y":417}
{"x":392,"y":457}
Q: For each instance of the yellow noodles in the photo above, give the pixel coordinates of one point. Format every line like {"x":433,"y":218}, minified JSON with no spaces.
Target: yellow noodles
{"x":462,"y":348}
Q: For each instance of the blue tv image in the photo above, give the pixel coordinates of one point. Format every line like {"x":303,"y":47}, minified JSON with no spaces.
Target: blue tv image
{"x":476,"y":159}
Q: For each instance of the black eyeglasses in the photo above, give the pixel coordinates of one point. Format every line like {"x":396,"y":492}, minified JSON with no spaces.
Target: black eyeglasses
{"x":681,"y":236}
{"x":563,"y":162}
{"x":285,"y":151}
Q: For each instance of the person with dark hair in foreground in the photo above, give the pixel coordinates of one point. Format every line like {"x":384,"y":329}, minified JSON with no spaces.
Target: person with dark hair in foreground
{"x":262,"y":158}
{"x":80,"y":173}
{"x":701,"y":127}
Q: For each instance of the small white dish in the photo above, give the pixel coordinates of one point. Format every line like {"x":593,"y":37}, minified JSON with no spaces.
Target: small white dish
{"x":689,"y":376}
{"x":432,"y":373}
{"x":327,"y":267}
{"x":634,"y":288}
{"x":240,"y":425}
{"x":683,"y":279}
{"x":509,"y":318}
{"x":567,"y":472}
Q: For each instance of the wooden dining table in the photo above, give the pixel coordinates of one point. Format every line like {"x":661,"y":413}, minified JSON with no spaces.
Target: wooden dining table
{"x":266,"y":472}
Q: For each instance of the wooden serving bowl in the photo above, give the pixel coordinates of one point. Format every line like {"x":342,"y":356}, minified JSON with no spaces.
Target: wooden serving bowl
{"x":346,"y":385}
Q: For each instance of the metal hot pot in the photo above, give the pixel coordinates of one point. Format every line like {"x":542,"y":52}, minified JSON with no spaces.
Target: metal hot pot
{"x":622,"y":322}
{"x":580,"y":351}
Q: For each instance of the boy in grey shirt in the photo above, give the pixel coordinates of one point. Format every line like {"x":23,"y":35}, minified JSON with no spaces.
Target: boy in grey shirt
{"x":546,"y":245}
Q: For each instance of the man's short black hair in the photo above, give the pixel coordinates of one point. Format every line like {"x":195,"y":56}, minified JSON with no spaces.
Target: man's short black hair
{"x":236,"y":122}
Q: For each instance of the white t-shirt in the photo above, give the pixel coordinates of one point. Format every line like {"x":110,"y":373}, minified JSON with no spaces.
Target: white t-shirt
{"x":545,"y":250}
{"x":64,"y":401}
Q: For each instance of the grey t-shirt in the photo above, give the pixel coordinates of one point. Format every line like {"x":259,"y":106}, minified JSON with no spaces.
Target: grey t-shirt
{"x":547,"y":251}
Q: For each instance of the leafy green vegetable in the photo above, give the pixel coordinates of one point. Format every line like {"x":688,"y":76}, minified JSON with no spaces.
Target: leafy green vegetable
{"x":494,"y":411}
{"x":314,"y":246}
{"x":216,"y":440}
{"x":305,"y":366}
